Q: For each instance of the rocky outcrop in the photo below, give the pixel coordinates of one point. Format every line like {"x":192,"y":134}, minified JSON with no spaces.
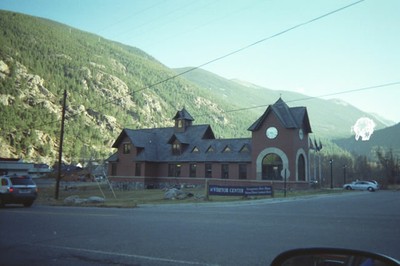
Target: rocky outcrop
{"x":31,"y":90}
{"x":76,"y":200}
{"x":174,"y":193}
{"x":4,"y":69}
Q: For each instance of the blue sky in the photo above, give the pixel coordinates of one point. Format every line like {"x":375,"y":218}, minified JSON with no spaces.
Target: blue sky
{"x":355,"y":48}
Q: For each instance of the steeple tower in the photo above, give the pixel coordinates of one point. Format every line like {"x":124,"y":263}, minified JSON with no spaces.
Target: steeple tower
{"x":183,"y":120}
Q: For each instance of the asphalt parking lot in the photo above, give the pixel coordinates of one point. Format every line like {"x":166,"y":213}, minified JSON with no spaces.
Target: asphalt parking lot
{"x":244,"y":233}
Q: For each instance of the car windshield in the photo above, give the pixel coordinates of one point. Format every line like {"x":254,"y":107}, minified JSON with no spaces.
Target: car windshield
{"x":21,"y":181}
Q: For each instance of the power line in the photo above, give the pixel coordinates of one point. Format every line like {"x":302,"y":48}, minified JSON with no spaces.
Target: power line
{"x":130,"y":16}
{"x":318,"y":97}
{"x":243,"y":48}
{"x":252,"y":44}
{"x":237,"y":51}
{"x":241,"y":9}
{"x":350,"y":91}
{"x":153,"y":20}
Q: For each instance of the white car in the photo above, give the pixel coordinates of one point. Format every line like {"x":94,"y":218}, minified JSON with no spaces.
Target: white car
{"x":362,"y":185}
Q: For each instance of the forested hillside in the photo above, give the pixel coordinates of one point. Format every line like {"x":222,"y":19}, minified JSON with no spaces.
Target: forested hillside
{"x":329,"y":118}
{"x":110,"y":86}
{"x":385,"y":139}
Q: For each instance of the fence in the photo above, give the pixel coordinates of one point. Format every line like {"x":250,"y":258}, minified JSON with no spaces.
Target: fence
{"x":133,"y":182}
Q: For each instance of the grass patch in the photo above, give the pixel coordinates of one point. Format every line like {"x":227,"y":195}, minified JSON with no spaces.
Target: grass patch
{"x":118,"y":198}
{"x":133,"y":198}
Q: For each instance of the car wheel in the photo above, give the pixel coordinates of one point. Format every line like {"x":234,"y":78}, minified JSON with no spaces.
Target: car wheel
{"x":371,"y":189}
{"x":348,"y":188}
{"x":28,"y":203}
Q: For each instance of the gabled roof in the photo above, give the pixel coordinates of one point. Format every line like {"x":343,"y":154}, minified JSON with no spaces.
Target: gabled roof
{"x":217,"y":154}
{"x":179,"y":137}
{"x":183,"y":114}
{"x":113,"y":157}
{"x":156,"y":144}
{"x":295,"y":117}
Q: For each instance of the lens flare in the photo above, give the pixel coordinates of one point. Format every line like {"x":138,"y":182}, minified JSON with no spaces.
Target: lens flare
{"x":363,"y":128}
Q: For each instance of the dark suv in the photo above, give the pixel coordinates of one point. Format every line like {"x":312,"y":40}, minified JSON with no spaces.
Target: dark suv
{"x":16,"y":189}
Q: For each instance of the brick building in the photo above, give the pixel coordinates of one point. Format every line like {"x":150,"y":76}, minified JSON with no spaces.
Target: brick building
{"x":278,"y":147}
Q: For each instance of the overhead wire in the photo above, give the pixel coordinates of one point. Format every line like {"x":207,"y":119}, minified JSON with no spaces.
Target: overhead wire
{"x":237,"y":51}
{"x":130,"y":15}
{"x":252,"y":44}
{"x":158,"y":18}
{"x":319,"y":96}
{"x":240,"y":9}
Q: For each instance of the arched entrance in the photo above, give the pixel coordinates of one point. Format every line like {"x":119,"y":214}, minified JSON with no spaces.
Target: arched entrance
{"x":267,"y":163}
{"x":272,"y":167}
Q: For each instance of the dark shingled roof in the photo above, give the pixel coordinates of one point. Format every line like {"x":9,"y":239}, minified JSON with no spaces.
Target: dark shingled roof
{"x":196,"y":141}
{"x":183,"y":114}
{"x":295,"y":117}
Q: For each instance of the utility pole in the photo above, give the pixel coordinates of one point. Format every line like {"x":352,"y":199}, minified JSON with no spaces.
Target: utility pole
{"x":61,"y":146}
{"x":331,"y":163}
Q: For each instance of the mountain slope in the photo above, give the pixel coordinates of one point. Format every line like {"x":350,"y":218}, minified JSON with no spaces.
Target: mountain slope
{"x":329,"y":118}
{"x":109,"y":86}
{"x":387,"y":138}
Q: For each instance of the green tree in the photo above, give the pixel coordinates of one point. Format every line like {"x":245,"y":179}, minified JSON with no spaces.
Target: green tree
{"x":389,"y":165}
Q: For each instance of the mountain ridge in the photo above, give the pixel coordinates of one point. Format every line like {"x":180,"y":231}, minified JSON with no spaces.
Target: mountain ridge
{"x":112,"y":86}
{"x":378,"y":140}
{"x":322,"y":112}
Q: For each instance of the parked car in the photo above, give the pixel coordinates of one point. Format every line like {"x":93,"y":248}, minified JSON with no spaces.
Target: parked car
{"x":16,"y":189}
{"x":374,"y":181}
{"x":362,"y":185}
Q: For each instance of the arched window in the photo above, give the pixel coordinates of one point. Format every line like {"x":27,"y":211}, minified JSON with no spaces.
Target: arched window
{"x":301,"y":168}
{"x":272,"y":167}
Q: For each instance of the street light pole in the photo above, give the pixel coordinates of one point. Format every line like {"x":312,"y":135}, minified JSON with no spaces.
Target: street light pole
{"x":344,"y":174}
{"x":284,"y":184}
{"x":331,"y":163}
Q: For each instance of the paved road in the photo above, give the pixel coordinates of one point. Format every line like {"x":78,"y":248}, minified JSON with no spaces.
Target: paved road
{"x":246,"y":233}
